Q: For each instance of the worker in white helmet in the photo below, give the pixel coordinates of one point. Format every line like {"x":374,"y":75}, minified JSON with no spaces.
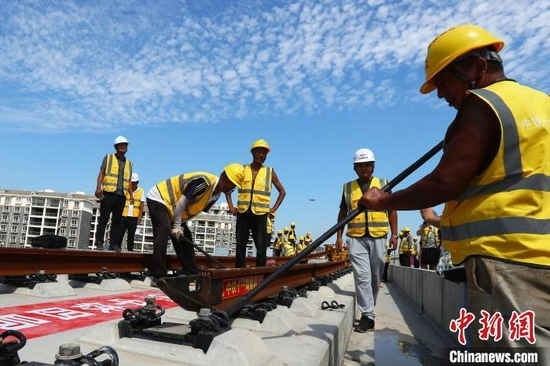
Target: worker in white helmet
{"x":366,"y":236}
{"x":113,"y":186}
{"x":254,"y":205}
{"x":493,"y":178}
{"x":132,"y":213}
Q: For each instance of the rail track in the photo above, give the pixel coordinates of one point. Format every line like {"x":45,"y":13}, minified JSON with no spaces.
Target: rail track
{"x":26,"y":261}
{"x":212,"y":288}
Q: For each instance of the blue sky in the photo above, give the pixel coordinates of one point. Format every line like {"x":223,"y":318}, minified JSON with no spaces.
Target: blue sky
{"x":192,"y":84}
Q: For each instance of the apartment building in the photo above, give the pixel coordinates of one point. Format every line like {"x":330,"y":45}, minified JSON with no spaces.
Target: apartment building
{"x":28,"y":214}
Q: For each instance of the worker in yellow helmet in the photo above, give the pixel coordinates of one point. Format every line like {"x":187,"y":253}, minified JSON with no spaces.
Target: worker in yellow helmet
{"x":307,"y":239}
{"x":493,"y":179}
{"x":292,"y":233}
{"x":405,"y":248}
{"x":278,"y":243}
{"x":254,"y":204}
{"x":301,"y":245}
{"x":289,"y":250}
{"x":178,"y":199}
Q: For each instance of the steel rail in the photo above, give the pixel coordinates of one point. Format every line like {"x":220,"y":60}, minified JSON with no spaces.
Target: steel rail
{"x":27,"y":261}
{"x":219,"y":289}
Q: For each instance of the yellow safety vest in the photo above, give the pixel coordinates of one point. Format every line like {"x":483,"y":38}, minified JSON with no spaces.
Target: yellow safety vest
{"x":377,"y":220}
{"x":137,"y":203}
{"x":110,"y":179}
{"x":300,"y":247}
{"x":258,"y":198}
{"x":172,"y":189}
{"x":288,"y":250}
{"x":404,"y":247}
{"x":278,"y":243}
{"x":505,"y":211}
{"x":307,"y":240}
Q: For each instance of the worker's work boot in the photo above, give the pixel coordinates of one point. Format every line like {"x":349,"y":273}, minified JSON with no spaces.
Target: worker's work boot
{"x":366,"y":324}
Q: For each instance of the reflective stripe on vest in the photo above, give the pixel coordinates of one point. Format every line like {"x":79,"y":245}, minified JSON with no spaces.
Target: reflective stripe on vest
{"x":137,"y":203}
{"x":377,"y":220}
{"x":110,"y":179}
{"x":258,"y":198}
{"x":172,"y":189}
{"x":504,"y":213}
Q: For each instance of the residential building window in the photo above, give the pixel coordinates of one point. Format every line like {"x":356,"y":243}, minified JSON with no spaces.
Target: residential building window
{"x":14,"y":228}
{"x":65,"y":213}
{"x":8,"y":200}
{"x":75,"y":213}
{"x":72,"y":232}
{"x":17,"y":209}
{"x":5,"y":217}
{"x":15,"y":219}
{"x":62,"y":232}
{"x":18,"y":199}
{"x":74,"y":222}
{"x":3,"y":227}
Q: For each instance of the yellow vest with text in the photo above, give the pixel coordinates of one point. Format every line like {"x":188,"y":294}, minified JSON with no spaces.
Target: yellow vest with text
{"x":505,"y":212}
{"x":110,"y":179}
{"x":137,"y":203}
{"x":257,"y":197}
{"x":377,"y":220}
{"x":172,"y":189}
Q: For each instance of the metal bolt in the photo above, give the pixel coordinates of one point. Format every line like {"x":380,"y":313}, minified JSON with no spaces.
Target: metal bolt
{"x":205,"y":312}
{"x":150,"y":303}
{"x":69,"y":351}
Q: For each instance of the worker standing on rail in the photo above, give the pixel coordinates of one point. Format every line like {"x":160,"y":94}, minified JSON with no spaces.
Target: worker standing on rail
{"x":278,"y":243}
{"x":113,"y":186}
{"x":254,"y":205}
{"x":176,"y":200}
{"x":132,"y":213}
{"x":307,"y":239}
{"x":493,"y":178}
{"x":366,"y":237}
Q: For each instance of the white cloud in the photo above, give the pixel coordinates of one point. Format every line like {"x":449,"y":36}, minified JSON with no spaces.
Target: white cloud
{"x":89,"y":65}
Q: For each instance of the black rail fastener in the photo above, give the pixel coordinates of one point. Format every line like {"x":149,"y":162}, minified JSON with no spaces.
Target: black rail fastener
{"x":238,"y":305}
{"x":140,"y":318}
{"x":206,"y":327}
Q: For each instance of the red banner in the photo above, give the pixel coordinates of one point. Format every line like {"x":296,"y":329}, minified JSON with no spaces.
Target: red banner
{"x":47,"y":318}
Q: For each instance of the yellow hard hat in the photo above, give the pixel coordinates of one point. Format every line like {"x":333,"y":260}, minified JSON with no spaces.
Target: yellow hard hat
{"x":235,"y":173}
{"x":280,"y":232}
{"x":287,"y":229}
{"x":415,"y":238}
{"x":292,"y":224}
{"x":451,"y":45}
{"x":406,"y":229}
{"x":260,"y":143}
{"x":301,"y":238}
{"x":308,"y":234}
{"x":401,"y":233}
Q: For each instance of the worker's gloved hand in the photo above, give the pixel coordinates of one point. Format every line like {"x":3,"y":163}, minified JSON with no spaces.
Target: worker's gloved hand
{"x":177,"y":232}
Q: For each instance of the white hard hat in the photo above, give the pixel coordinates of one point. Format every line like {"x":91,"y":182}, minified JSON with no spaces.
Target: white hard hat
{"x":121,"y":140}
{"x":363,"y":155}
{"x":135,"y":177}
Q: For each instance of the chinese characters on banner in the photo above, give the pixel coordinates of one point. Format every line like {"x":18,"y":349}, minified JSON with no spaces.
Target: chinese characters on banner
{"x":519,"y":326}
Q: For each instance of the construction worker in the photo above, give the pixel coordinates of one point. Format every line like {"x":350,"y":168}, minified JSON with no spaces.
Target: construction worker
{"x":176,"y":200}
{"x":278,"y":243}
{"x":405,"y":248}
{"x":113,"y":186}
{"x":132,"y":213}
{"x":366,"y":237}
{"x":493,"y":178}
{"x":308,"y":239}
{"x":288,"y":249}
{"x":387,"y":259}
{"x":292,"y":233}
{"x":253,"y":205}
{"x":415,"y":253}
{"x":301,"y":245}
{"x":430,"y":248}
